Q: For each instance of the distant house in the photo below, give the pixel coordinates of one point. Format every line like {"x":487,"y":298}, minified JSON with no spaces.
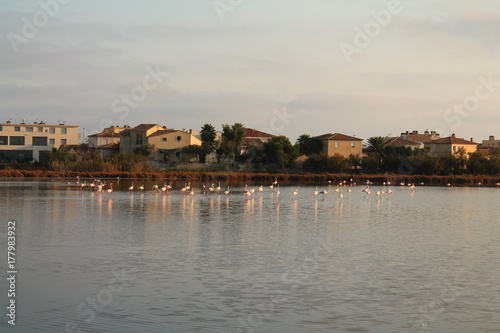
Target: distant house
{"x":490,"y":143}
{"x":168,"y":143}
{"x":450,"y":145}
{"x":253,"y":139}
{"x":133,"y":138}
{"x":408,"y":143}
{"x":419,"y":137}
{"x":341,"y":144}
{"x":107,"y":141}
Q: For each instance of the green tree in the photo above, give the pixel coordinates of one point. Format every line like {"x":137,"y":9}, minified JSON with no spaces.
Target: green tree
{"x":208,"y":136}
{"x":325,"y":163}
{"x":309,"y":145}
{"x":232,"y":137}
{"x":144,"y":150}
{"x":194,"y":151}
{"x":278,"y":153}
{"x":376,"y":145}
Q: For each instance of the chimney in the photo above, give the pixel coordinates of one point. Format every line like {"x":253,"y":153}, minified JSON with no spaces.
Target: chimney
{"x":491,"y":138}
{"x":453,"y":135}
{"x":190,"y":131}
{"x":426,"y":132}
{"x":471,"y":139}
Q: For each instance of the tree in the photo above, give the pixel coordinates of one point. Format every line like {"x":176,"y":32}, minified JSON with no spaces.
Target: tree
{"x":232,"y":136}
{"x":354,"y":161}
{"x":194,"y":151}
{"x":376,"y":146}
{"x":208,"y":136}
{"x":144,"y":150}
{"x":278,"y":153}
{"x":324,"y":163}
{"x":309,"y":145}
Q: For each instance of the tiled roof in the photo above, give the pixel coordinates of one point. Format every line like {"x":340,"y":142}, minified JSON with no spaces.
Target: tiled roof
{"x":109,"y":146}
{"x":253,"y":133}
{"x":105,"y":135}
{"x":451,"y":140}
{"x":162,"y":132}
{"x":418,"y":137}
{"x":401,"y":141}
{"x":338,"y":137}
{"x":143,"y":127}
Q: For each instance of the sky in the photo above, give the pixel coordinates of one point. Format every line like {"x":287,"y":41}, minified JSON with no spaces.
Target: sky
{"x":288,"y":67}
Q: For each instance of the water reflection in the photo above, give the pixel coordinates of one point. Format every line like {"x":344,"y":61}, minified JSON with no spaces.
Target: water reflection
{"x":357,"y":263}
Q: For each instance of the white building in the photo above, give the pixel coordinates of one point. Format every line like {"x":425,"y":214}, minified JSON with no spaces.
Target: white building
{"x":23,"y":142}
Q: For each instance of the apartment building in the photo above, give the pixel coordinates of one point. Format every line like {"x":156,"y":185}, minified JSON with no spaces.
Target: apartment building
{"x":24,"y":142}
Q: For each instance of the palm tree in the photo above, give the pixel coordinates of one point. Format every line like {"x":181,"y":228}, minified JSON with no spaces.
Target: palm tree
{"x":376,"y":146}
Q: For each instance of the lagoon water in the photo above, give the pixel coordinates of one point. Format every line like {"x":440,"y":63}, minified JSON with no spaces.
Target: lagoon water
{"x":422,"y":260}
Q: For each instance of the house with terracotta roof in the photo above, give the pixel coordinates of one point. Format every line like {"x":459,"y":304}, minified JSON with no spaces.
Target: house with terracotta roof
{"x":167,"y":142}
{"x":419,"y":137}
{"x":450,"y":145}
{"x":340,"y":144}
{"x":408,"y":143}
{"x":253,"y":139}
{"x":107,"y":141}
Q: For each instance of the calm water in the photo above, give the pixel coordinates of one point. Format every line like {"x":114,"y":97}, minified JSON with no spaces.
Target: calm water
{"x":426,"y":260}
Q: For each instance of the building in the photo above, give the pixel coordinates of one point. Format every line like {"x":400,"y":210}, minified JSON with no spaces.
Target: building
{"x":253,"y":139}
{"x":490,"y":143}
{"x":107,"y":141}
{"x":450,"y":145}
{"x":408,"y":143}
{"x":341,"y":144}
{"x":168,"y":143}
{"x":26,"y":142}
{"x":419,"y":137}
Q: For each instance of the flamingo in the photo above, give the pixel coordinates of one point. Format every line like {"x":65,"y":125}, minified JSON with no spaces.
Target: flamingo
{"x":211,"y":188}
{"x":191,"y":192}
{"x":260,"y":189}
{"x":184,"y":189}
{"x":325,"y":192}
{"x":389,"y":191}
{"x":278,"y":191}
{"x":164,"y":187}
{"x":218,"y":188}
{"x":188,"y":186}
{"x":227,"y":191}
{"x":155,"y":188}
{"x":341,"y":195}
{"x":140,"y":188}
{"x":315,"y":193}
{"x":169,"y":186}
{"x":110,"y":189}
{"x":131,"y":188}
{"x":349,"y":190}
{"x":295,"y":193}
{"x":247,"y":193}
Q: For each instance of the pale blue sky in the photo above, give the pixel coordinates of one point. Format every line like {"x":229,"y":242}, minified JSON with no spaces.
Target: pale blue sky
{"x":264,"y":55}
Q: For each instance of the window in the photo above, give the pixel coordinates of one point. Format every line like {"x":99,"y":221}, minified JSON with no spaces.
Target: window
{"x":138,"y":139}
{"x":40,"y":129}
{"x":39,"y":141}
{"x":337,"y":144}
{"x":52,"y":130}
{"x":17,"y":129}
{"x":353,"y":144}
{"x":52,"y":142}
{"x":178,"y":138}
{"x":1,"y":128}
{"x":63,"y":141}
{"x":3,"y":140}
{"x":64,"y":130}
{"x":29,"y":129}
{"x":454,"y":148}
{"x":164,"y":139}
{"x":17,"y":140}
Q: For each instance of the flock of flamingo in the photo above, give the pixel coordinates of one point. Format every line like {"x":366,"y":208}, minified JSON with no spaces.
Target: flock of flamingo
{"x":100,"y":187}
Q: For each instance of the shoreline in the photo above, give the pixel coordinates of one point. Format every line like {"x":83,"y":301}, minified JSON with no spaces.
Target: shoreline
{"x":461,"y":180}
